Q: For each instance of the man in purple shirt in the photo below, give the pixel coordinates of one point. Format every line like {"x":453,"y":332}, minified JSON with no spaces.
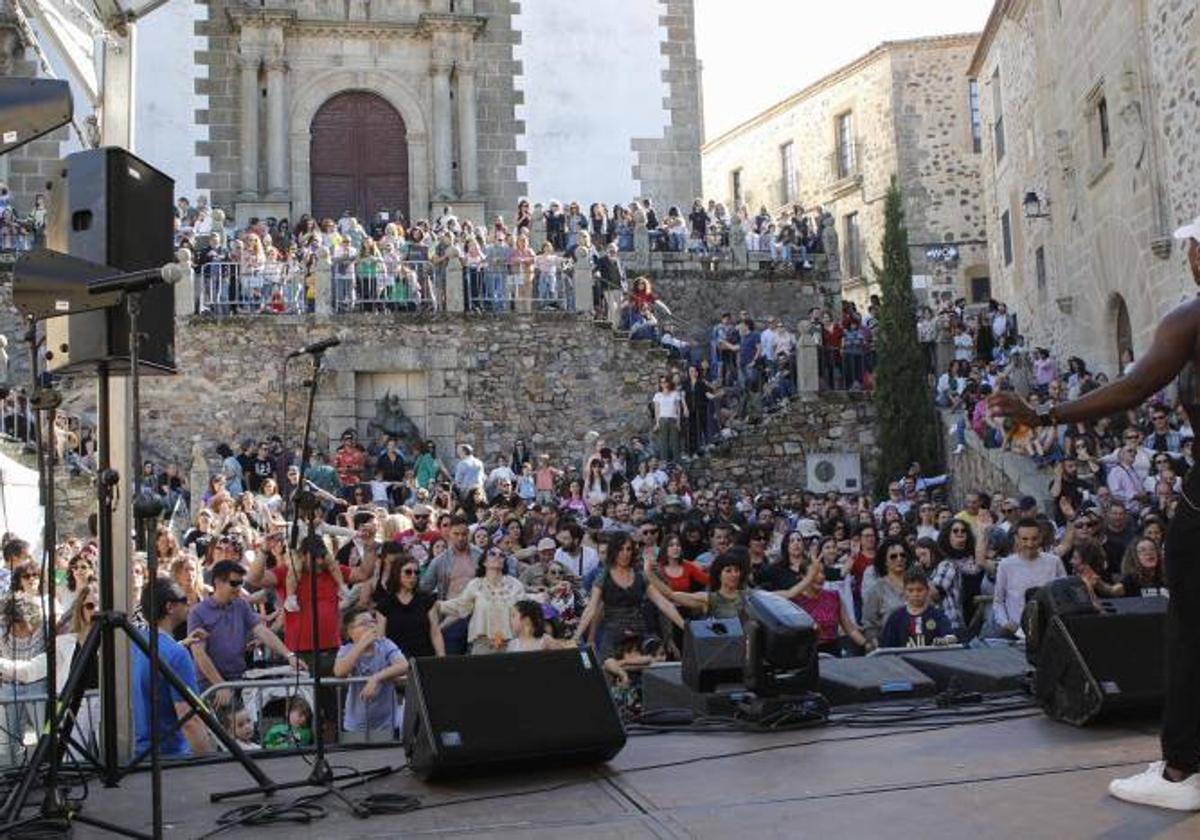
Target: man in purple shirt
{"x":229,"y":623}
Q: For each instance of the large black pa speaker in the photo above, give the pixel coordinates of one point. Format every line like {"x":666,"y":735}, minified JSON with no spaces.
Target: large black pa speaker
{"x":1109,"y":662}
{"x":467,"y":715}
{"x":714,"y":652}
{"x":110,"y":207}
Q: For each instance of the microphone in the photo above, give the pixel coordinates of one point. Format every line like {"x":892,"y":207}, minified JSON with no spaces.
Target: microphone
{"x":316,"y":347}
{"x":137,"y":281}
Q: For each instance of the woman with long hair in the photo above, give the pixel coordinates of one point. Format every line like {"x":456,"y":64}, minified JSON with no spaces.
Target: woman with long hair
{"x":618,"y":599}
{"x":411,"y":617}
{"x":486,"y":600}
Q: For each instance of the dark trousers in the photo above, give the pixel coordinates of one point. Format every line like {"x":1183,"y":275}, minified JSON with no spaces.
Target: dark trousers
{"x":454,"y":635}
{"x":1181,"y":711}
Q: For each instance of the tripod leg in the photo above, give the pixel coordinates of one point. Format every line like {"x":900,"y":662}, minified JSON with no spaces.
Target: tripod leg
{"x":197,"y":705}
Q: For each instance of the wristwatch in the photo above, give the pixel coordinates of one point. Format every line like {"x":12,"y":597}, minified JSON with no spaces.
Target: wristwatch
{"x":1047,"y":415}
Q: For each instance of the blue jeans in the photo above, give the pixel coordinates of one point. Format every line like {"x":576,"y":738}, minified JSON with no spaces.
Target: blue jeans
{"x":20,"y":713}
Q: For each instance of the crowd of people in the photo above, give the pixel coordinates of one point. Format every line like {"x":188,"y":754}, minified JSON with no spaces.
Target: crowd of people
{"x":419,"y":556}
{"x":391,"y":263}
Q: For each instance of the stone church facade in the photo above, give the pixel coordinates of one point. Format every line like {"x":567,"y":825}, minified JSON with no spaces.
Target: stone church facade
{"x":320,"y":106}
{"x":1092,"y":108}
{"x":905,"y":110}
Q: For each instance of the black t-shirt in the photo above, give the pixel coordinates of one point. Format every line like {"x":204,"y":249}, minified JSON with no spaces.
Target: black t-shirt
{"x":260,"y":469}
{"x":392,"y":468}
{"x":1134,"y":588}
{"x":407,"y":624}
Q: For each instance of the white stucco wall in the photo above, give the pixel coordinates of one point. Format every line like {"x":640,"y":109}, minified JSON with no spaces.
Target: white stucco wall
{"x":591,"y":82}
{"x":165,"y":130}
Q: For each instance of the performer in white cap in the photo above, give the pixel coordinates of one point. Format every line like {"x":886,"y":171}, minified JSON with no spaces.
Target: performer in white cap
{"x":1173,"y":782}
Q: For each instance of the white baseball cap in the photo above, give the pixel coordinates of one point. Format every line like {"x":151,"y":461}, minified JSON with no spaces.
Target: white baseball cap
{"x":1191,"y":231}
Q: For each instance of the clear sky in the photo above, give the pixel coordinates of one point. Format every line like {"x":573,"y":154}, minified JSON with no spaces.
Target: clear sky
{"x":757,"y":52}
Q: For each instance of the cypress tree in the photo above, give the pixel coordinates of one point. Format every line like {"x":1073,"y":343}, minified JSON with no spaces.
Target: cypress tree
{"x":908,"y":426}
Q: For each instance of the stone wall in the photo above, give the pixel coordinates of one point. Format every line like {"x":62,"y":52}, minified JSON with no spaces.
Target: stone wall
{"x":995,"y":471}
{"x":668,"y":167}
{"x":939,"y":171}
{"x":1105,"y":244}
{"x":773,"y":453}
{"x":698,"y":298}
{"x":910,"y":118}
{"x":483,"y":381}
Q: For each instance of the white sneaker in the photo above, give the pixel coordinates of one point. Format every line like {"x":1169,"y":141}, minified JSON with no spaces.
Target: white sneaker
{"x":958,"y":450}
{"x":291,"y":604}
{"x":1150,"y":788}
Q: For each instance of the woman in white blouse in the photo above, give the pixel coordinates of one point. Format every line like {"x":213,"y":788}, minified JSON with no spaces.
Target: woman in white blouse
{"x":488,"y":600}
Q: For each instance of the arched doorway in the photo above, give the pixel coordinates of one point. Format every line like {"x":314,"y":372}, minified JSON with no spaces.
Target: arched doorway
{"x":1122,"y":329}
{"x":358,"y":158}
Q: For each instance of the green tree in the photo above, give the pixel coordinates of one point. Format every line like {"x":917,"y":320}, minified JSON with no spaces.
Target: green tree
{"x":908,"y":425}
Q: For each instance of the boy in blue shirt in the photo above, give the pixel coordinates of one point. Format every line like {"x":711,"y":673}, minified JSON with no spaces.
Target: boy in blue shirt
{"x":371,"y":709}
{"x":918,"y":623}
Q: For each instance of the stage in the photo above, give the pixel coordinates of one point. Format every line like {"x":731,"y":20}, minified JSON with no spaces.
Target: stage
{"x":1026,"y":777}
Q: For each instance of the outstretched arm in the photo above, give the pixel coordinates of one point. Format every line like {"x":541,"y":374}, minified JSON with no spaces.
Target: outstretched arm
{"x":1173,"y":347}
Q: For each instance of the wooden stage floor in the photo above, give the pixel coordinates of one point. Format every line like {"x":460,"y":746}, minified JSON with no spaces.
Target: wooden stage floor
{"x":1021,"y":778}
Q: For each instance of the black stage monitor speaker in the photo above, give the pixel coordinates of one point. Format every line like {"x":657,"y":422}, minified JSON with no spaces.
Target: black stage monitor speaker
{"x":1104,"y":663}
{"x":871,"y":678}
{"x":466,"y":715}
{"x":714,"y":652}
{"x":1063,"y":597}
{"x":986,"y":670}
{"x":109,"y":207}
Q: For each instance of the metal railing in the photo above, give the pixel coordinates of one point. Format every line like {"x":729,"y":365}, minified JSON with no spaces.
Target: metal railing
{"x":500,"y":292}
{"x":18,"y":422}
{"x":228,"y":288}
{"x":267,"y":701}
{"x":842,"y":370}
{"x":13,"y":243}
{"x":373,"y":284}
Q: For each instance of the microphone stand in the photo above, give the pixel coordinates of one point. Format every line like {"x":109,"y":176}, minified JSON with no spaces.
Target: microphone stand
{"x":306,"y":504}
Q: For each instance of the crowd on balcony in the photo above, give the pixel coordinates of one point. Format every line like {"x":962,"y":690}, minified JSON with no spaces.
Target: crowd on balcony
{"x":521,"y":264}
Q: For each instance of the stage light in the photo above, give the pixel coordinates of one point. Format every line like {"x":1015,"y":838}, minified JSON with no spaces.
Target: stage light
{"x":781,"y":650}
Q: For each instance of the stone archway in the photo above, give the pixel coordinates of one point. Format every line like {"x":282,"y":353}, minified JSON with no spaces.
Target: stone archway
{"x":1121,"y":330}
{"x":318,"y":89}
{"x":358,"y":157}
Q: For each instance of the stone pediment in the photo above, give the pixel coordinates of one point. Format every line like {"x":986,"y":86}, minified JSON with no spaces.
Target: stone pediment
{"x":336,"y":19}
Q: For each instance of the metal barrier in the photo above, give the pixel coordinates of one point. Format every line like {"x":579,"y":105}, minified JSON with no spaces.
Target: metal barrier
{"x":227,"y":288}
{"x":374,"y":284}
{"x":268,"y":701}
{"x":516,"y":292}
{"x":18,"y":422}
{"x":23,"y":715}
{"x":13,"y":243}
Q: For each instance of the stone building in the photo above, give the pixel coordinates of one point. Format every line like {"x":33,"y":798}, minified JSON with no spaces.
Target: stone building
{"x":1091,"y":160}
{"x":905,"y":110}
{"x":284,"y":107}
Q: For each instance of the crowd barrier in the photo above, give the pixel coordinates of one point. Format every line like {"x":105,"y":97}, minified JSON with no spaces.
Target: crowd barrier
{"x":486,"y":290}
{"x":379,"y":285}
{"x":227,"y":288}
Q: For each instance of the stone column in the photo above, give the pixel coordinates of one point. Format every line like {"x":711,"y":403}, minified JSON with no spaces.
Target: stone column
{"x":456,"y":271}
{"x":442,"y":142}
{"x":583,"y":280}
{"x":324,"y":274}
{"x":185,"y":289}
{"x":808,"y":369}
{"x":277,"y":132}
{"x":248,"y":65}
{"x":641,"y":247}
{"x":537,"y":228}
{"x":468,"y":159}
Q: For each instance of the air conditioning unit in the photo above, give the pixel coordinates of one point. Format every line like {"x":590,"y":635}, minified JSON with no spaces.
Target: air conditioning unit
{"x":837,"y":471}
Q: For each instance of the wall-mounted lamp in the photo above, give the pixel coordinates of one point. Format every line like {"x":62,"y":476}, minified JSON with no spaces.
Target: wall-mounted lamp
{"x":1035,"y":207}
